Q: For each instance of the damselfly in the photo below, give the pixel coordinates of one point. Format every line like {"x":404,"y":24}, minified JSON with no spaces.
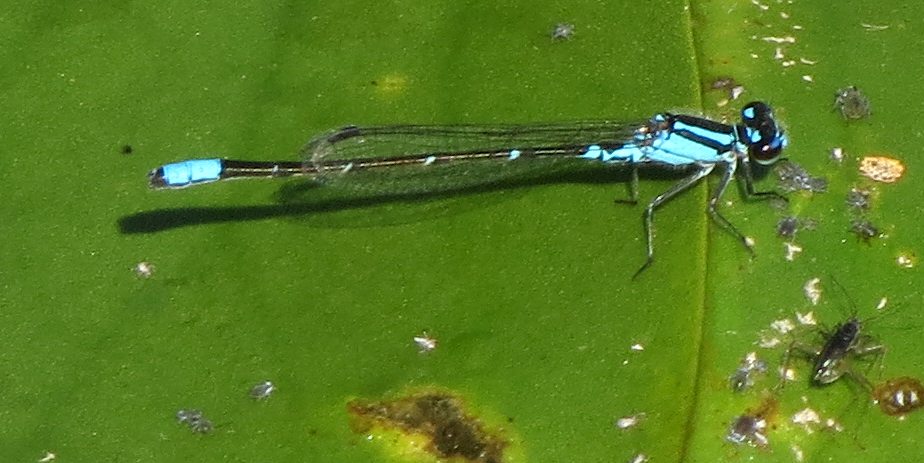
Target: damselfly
{"x":666,"y":140}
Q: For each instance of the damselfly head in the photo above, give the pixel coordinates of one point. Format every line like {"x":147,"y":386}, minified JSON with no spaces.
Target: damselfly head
{"x":766,"y":138}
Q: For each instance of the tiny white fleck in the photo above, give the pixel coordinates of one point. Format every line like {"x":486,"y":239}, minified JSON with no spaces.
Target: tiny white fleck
{"x":838,"y":154}
{"x":812,"y":290}
{"x":873,"y":27}
{"x":784,"y":15}
{"x":748,"y":241}
{"x":637,"y":347}
{"x":797,"y":27}
{"x":754,"y":55}
{"x":778,"y":54}
{"x":797,"y":453}
{"x":429,"y":160}
{"x":736,"y":91}
{"x":144,"y":269}
{"x":788,"y":63}
{"x":640,"y":458}
{"x":905,"y":261}
{"x":49,"y":456}
{"x":425,"y":342}
{"x":760,"y":5}
{"x":769,"y":343}
{"x":630,"y":421}
{"x":806,"y":318}
{"x":805,"y":417}
{"x":882,"y":303}
{"x":348,"y":167}
{"x":807,"y":61}
{"x":808,"y":78}
{"x":833,"y":425}
{"x":783,"y":325}
{"x":788,"y":374}
{"x":791,"y":250}
{"x":787,"y":39}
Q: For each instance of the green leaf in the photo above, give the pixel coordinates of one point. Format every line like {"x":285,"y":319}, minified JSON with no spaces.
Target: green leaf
{"x":525,"y":284}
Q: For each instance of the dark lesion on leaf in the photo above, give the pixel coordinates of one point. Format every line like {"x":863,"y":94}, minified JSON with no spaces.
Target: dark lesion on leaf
{"x":440,"y":417}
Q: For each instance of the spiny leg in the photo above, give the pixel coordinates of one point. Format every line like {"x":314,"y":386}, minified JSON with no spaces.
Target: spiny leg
{"x":703,"y":171}
{"x":718,"y":217}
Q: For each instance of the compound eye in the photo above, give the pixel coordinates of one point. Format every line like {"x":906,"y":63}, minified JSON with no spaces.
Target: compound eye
{"x":767,"y":152}
{"x":766,"y":139}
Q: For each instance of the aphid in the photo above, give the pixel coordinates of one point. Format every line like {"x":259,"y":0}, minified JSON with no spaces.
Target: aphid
{"x":787,"y":227}
{"x":882,"y":169}
{"x":899,"y":396}
{"x":851,"y":103}
{"x":563,"y":31}
{"x":846,"y":341}
{"x":792,"y":177}
{"x":201,"y":426}
{"x":262,"y":391}
{"x":865,"y":230}
{"x":748,"y":429}
{"x":197,"y":423}
{"x":832,"y":360}
{"x":187,"y":416}
{"x":742,"y":379}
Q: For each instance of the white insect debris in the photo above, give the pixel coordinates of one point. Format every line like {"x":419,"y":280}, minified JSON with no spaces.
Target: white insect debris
{"x":797,"y":452}
{"x":806,"y":417}
{"x":788,"y":374}
{"x":637,"y":347}
{"x":49,"y":456}
{"x":873,"y":27}
{"x":736,"y":92}
{"x":769,"y":343}
{"x":788,"y":63}
{"x":630,"y":421}
{"x":783,"y":325}
{"x":425,"y":342}
{"x":753,"y":363}
{"x":787,"y":39}
{"x":832,"y":425}
{"x":640,"y":458}
{"x":760,"y":5}
{"x":882,"y":303}
{"x":808,"y":78}
{"x":838,"y":154}
{"x":749,"y":242}
{"x":797,"y":27}
{"x":905,"y":261}
{"x":806,"y":318}
{"x":262,"y":391}
{"x":812,"y":290}
{"x":784,"y":15}
{"x":808,"y":61}
{"x":791,"y":250}
{"x":144,"y":269}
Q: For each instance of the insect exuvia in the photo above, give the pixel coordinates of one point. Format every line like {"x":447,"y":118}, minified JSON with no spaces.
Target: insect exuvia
{"x":676,"y":141}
